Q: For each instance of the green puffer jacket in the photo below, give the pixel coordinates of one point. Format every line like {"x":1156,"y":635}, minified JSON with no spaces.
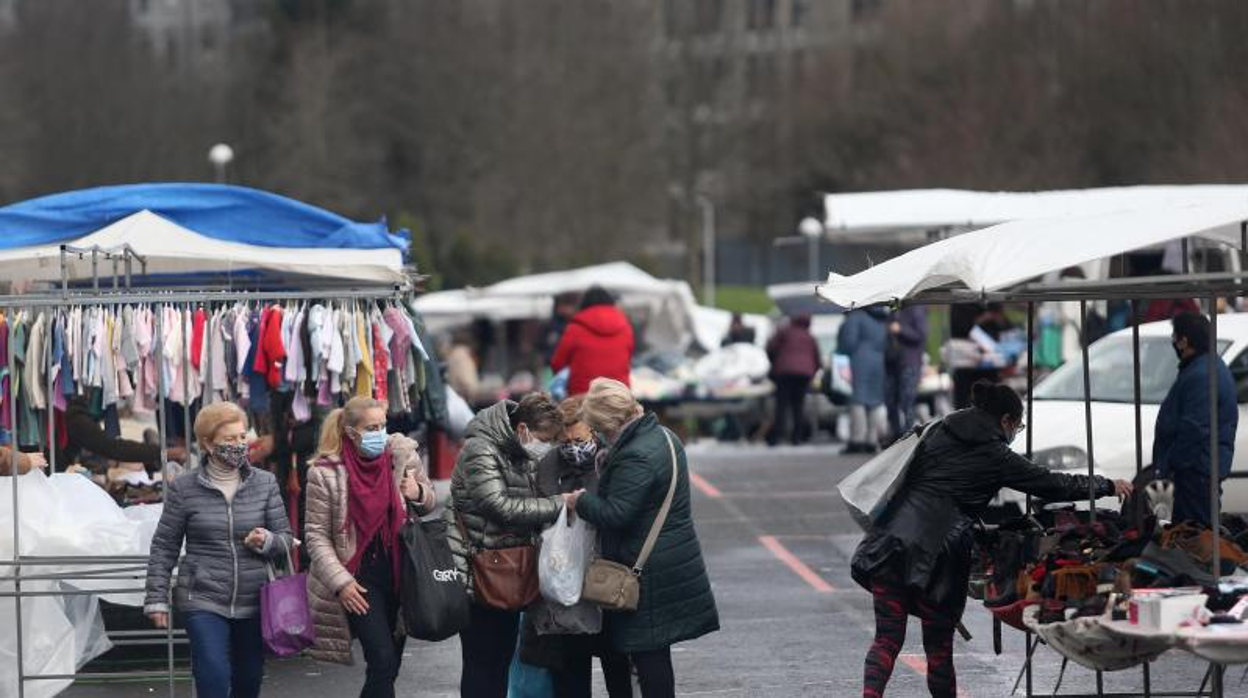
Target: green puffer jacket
{"x":494,"y":489}
{"x":676,"y":601}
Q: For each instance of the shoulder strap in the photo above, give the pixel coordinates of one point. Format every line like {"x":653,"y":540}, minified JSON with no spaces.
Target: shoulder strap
{"x":661,"y":519}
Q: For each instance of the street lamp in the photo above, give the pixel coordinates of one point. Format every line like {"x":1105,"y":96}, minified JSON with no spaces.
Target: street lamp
{"x":811,"y":229}
{"x":220,"y":155}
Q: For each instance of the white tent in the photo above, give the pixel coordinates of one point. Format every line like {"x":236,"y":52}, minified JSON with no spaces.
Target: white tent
{"x":172,"y":249}
{"x":1003,"y":256}
{"x":865,"y":215}
{"x":666,"y":308}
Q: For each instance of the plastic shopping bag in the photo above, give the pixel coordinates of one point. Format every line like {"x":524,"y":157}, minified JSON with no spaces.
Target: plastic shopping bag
{"x":285,"y":614}
{"x":566,"y":552}
{"x":869,"y":489}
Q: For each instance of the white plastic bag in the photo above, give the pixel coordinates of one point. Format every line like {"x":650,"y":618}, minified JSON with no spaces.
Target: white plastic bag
{"x":868,"y":490}
{"x":564,"y":558}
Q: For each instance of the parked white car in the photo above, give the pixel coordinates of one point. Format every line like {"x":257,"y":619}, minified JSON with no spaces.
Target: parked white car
{"x":1057,"y":418}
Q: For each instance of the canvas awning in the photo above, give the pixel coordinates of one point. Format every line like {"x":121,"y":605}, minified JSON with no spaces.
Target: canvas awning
{"x":171,"y":249}
{"x":1003,"y":256}
{"x":866,"y":215}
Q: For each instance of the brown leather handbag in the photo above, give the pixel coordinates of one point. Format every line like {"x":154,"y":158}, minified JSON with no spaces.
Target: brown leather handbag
{"x":505,"y":578}
{"x":617,"y":587}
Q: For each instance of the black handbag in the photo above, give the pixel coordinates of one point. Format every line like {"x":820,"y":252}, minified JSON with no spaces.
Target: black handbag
{"x":432,"y":594}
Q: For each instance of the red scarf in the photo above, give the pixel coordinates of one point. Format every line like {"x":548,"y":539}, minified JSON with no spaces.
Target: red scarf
{"x":374,"y":506}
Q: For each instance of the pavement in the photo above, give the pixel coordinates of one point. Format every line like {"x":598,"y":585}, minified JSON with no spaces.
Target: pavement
{"x":777,"y":542}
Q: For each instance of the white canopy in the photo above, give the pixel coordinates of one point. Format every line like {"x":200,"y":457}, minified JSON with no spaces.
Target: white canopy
{"x":172,"y":249}
{"x":865,"y":214}
{"x":665,"y":308}
{"x":997,"y":258}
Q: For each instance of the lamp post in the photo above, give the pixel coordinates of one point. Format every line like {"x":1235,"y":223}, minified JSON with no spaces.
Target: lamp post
{"x":708,"y":248}
{"x":811,"y":229}
{"x":220,"y":155}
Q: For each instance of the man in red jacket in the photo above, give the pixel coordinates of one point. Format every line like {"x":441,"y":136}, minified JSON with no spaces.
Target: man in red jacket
{"x":598,"y":343}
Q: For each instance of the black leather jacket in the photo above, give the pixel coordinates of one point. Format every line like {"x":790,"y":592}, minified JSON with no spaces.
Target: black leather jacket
{"x":924,"y":539}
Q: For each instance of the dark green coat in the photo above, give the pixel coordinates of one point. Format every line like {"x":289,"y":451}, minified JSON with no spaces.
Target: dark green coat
{"x":676,"y":601}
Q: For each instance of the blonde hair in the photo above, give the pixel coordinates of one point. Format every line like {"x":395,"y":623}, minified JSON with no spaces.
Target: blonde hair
{"x":609,"y":405}
{"x":213,"y":417}
{"x":349,"y":415}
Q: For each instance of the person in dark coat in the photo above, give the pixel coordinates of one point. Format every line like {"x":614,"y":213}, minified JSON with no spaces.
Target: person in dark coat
{"x":569,"y":468}
{"x":676,"y":602}
{"x":598,"y":342}
{"x":738,"y":332}
{"x":907,"y":336}
{"x":863,"y":337}
{"x":916,"y":559}
{"x":794,"y":356}
{"x":1181,"y":439}
{"x":84,"y":433}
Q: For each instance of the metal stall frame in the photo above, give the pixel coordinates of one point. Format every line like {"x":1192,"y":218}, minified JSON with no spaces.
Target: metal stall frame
{"x":1206,"y":286}
{"x":121,"y":568}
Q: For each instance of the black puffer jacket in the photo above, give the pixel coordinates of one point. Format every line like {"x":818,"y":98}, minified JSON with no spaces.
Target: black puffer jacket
{"x":219,"y":573}
{"x":924,"y":539}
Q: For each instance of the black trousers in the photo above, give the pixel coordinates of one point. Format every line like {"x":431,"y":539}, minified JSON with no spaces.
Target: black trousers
{"x":576,"y":678}
{"x":655,"y":673}
{"x":790,"y":401}
{"x":487,"y":646}
{"x":383,"y":652}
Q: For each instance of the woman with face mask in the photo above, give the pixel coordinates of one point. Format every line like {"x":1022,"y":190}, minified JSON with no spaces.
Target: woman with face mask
{"x":232,"y":520}
{"x":361,"y":486}
{"x":496,"y":506}
{"x":916,"y":560}
{"x":571,"y":467}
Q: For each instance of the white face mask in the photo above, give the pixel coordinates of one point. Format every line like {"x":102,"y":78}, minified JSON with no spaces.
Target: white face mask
{"x":537,"y":449}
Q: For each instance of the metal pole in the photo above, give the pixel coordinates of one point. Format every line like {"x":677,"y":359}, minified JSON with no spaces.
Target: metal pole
{"x":1139,"y":423}
{"x":708,"y":249}
{"x":1215,"y":471}
{"x":812,"y":254}
{"x":64,"y":274}
{"x":1187,"y":261}
{"x":184,"y":320}
{"x":1087,"y":407}
{"x":162,"y":429}
{"x":47,"y":351}
{"x":14,"y":473}
{"x":1031,"y":416}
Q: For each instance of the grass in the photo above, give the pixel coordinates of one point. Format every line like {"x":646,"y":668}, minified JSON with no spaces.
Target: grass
{"x":743,"y":299}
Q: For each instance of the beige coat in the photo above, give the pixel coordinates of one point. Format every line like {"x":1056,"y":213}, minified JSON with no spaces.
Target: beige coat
{"x":331,"y":542}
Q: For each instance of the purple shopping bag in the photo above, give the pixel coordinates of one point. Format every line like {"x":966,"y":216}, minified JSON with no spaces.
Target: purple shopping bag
{"x":285,"y":616}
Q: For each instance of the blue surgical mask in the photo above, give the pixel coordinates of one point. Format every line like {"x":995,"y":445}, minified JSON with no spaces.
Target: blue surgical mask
{"x":373,"y":443}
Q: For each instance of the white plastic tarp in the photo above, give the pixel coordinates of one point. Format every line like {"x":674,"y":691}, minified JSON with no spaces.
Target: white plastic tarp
{"x":63,"y":515}
{"x":173,"y":249}
{"x":929,"y":209}
{"x":997,"y":258}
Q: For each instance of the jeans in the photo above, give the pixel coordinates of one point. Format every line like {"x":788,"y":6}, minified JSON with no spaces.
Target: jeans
{"x":576,"y":679}
{"x":227,"y":655}
{"x":655,"y":673}
{"x":901,"y":392}
{"x":383,"y":652}
{"x":487,"y":646}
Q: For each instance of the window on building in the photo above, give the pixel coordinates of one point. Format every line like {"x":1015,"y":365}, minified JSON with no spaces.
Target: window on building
{"x":865,"y":9}
{"x":760,"y":75}
{"x":709,"y":16}
{"x":761,"y":14}
{"x":799,"y":13}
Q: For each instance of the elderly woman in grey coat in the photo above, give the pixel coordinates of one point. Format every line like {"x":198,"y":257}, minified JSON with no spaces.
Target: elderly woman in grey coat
{"x":231,"y":518}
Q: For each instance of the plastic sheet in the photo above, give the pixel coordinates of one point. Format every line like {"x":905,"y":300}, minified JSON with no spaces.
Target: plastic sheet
{"x":1091,"y":643}
{"x":1220,"y":644}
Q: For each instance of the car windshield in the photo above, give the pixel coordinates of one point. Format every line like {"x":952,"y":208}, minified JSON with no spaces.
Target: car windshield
{"x":1110,"y":362}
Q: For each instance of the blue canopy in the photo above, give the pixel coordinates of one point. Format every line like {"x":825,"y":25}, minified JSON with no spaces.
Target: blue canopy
{"x":224,"y":212}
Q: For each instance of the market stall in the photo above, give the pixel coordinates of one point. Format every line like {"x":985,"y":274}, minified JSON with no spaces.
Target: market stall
{"x":1072,"y":586}
{"x":282,"y":307}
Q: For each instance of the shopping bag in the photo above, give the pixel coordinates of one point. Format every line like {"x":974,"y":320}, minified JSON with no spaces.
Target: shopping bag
{"x":432,"y":593}
{"x":869,"y":489}
{"x":285,"y":616}
{"x":565,"y":555}
{"x":551,"y":618}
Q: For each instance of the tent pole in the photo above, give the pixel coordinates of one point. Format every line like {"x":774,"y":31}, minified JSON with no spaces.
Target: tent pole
{"x":14,"y":476}
{"x":1031,"y":415}
{"x":1139,"y":424}
{"x":1087,"y":408}
{"x":1215,"y":471}
{"x":185,"y":320}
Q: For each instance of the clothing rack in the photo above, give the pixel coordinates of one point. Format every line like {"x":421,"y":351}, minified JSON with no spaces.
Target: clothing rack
{"x":131,"y":569}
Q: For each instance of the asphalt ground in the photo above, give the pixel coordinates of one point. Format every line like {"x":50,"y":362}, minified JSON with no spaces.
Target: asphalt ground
{"x":777,"y":542}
